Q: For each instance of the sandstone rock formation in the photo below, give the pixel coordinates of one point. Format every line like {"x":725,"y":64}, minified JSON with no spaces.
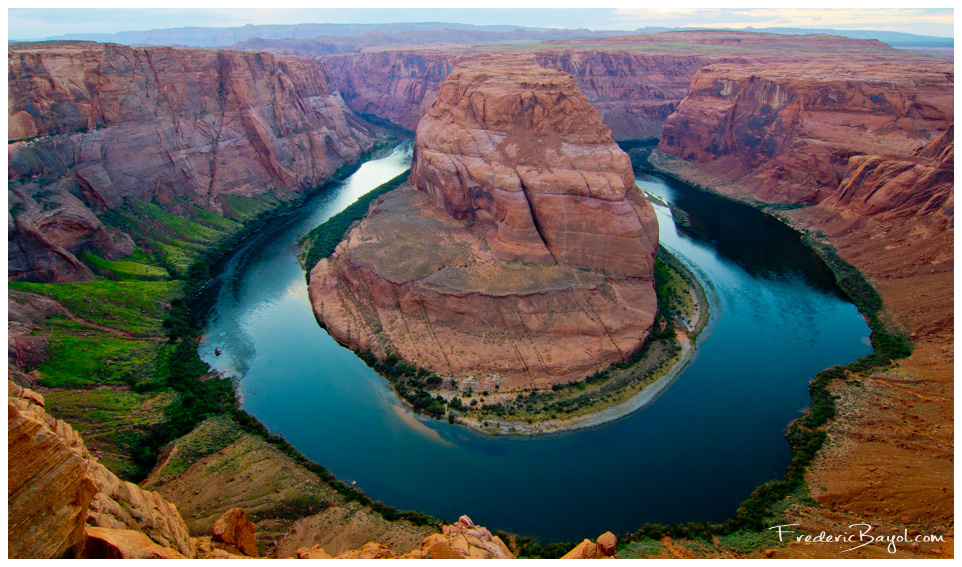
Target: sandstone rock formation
{"x":633,"y":92}
{"x":886,"y":187}
{"x":400,"y":86}
{"x":604,"y":548}
{"x":47,"y":488}
{"x":785,"y":133}
{"x":462,"y":540}
{"x":58,"y":494}
{"x":101,"y":543}
{"x":634,"y":82}
{"x":93,"y":125}
{"x":525,"y":251}
{"x":236,"y":532}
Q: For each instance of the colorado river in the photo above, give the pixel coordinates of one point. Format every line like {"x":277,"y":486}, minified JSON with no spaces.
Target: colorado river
{"x":693,"y":454}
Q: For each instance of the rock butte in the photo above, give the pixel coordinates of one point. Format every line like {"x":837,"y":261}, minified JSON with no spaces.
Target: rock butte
{"x":520,"y":253}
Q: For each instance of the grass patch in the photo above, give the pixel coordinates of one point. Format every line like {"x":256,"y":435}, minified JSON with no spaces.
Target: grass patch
{"x":81,"y":362}
{"x":242,"y":208}
{"x":135,"y":306}
{"x":745,"y":542}
{"x":642,"y":548}
{"x":108,"y":419}
{"x":206,"y":439}
{"x":176,"y":227}
{"x":125,"y":269}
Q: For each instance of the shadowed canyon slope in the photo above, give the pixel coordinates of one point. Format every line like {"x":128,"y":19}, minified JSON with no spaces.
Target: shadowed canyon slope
{"x":94,"y":126}
{"x":522,"y":252}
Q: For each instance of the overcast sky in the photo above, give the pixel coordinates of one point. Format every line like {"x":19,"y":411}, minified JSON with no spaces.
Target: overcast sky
{"x":31,"y":23}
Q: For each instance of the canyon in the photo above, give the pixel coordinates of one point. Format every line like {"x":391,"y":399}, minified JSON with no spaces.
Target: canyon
{"x":849,"y":141}
{"x":95,"y":126}
{"x":521,"y":255}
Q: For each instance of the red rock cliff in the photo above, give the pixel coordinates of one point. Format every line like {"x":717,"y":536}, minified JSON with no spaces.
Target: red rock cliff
{"x":524,"y":255}
{"x":785,"y":132}
{"x":105,"y":123}
{"x":633,"y":93}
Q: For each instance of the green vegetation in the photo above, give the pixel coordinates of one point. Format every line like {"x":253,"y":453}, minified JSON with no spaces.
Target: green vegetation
{"x":118,"y":270}
{"x":745,"y":542}
{"x":206,"y":439}
{"x":641,"y":548}
{"x":108,"y":418}
{"x":135,"y":306}
{"x":529,"y":548}
{"x":322,"y":240}
{"x":86,"y":361}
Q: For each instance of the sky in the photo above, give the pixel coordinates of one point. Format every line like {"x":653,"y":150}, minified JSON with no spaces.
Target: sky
{"x":34,"y":23}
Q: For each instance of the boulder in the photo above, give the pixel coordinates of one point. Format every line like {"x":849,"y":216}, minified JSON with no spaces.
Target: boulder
{"x":235,"y":532}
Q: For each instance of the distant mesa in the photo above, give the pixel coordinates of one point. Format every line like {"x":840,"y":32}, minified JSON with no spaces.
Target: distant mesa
{"x":520,"y":251}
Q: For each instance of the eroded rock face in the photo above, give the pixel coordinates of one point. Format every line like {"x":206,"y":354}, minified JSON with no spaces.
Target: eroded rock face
{"x":47,"y":488}
{"x":59,"y":496}
{"x":603,"y":548}
{"x":92,"y":125}
{"x":234,"y":530}
{"x":461,"y":540}
{"x":516,"y":150}
{"x":522,"y":252}
{"x":786,"y":132}
{"x":400,"y":86}
{"x":918,"y":186}
{"x":634,"y":93}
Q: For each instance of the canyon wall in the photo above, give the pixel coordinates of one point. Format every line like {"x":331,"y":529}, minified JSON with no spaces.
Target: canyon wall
{"x":400,"y":86}
{"x":92,"y":126}
{"x":785,"y":132}
{"x":860,"y":153}
{"x":634,"y":93}
{"x":521,"y":253}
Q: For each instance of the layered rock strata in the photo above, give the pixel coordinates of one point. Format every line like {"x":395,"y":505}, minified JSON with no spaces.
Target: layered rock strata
{"x":785,"y":133}
{"x":94,"y":125}
{"x":63,"y":503}
{"x":522,"y":251}
{"x":869,"y":147}
{"x":634,"y":82}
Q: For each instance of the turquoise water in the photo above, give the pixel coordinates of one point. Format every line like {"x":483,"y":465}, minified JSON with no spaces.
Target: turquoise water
{"x":693,"y":454}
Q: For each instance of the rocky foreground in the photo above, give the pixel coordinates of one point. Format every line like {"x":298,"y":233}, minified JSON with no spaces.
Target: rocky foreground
{"x":64,"y":504}
{"x":521,"y":254}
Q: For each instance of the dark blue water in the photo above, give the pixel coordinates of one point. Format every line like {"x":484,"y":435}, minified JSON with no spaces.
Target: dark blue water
{"x":692,"y":455}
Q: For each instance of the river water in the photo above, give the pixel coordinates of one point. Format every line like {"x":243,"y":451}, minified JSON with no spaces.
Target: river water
{"x":693,"y":454}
